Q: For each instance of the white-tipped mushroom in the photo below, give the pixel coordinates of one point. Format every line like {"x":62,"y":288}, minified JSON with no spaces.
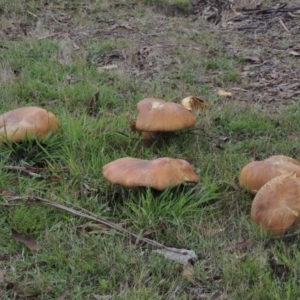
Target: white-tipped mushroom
{"x":157,"y":115}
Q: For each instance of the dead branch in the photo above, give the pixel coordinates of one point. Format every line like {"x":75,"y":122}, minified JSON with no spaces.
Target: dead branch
{"x":286,"y":236}
{"x":33,"y":172}
{"x":279,"y":9}
{"x":88,"y":216}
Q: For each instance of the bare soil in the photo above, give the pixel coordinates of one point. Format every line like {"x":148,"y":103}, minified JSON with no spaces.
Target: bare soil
{"x":264,"y":39}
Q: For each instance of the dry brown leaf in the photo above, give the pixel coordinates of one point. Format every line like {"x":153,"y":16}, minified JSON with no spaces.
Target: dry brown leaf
{"x":223,"y":93}
{"x":188,"y":272}
{"x":63,"y":295}
{"x":209,"y":231}
{"x":238,"y":246}
{"x":107,"y":67}
{"x":28,"y":241}
{"x":293,"y":137}
{"x":193,"y":103}
{"x":48,"y":288}
{"x":7,"y":193}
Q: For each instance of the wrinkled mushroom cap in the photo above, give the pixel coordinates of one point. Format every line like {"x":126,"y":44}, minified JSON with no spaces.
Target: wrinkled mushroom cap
{"x":159,"y":173}
{"x":276,"y":206}
{"x":161,"y":116}
{"x":257,"y":173}
{"x":25,"y":122}
{"x":282,"y":159}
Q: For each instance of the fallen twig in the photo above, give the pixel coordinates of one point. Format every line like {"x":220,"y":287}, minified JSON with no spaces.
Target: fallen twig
{"x":32,"y":171}
{"x":286,"y":236}
{"x":32,"y":14}
{"x":282,"y":24}
{"x":281,"y":8}
{"x":89,"y":217}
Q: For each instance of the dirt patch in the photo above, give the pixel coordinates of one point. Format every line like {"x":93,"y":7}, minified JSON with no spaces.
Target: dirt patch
{"x":263,"y":40}
{"x":171,"y":11}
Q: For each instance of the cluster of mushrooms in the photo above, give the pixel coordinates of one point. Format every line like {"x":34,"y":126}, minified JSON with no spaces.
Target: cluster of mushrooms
{"x":156,"y":117}
{"x":274,"y":181}
{"x":276,"y":184}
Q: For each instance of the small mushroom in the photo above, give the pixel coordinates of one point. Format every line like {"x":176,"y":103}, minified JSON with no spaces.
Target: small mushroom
{"x":276,"y":206}
{"x":159,"y":174}
{"x":25,"y":122}
{"x":257,"y":173}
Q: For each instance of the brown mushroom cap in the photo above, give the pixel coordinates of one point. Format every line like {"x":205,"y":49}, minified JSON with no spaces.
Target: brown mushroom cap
{"x":276,"y":206}
{"x":282,"y":159}
{"x":159,"y":173}
{"x":160,"y":116}
{"x":257,"y":173}
{"x":24,"y":122}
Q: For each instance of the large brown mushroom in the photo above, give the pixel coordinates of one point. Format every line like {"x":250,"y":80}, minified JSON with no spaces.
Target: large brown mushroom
{"x":158,"y":174}
{"x":257,"y":173}
{"x":157,"y":115}
{"x":25,"y":122}
{"x":158,"y":118}
{"x":276,"y":206}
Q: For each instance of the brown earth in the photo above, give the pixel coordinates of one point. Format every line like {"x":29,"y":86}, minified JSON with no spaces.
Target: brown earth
{"x":264,"y":39}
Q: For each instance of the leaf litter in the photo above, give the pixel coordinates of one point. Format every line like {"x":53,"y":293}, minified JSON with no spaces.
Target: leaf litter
{"x":28,"y":241}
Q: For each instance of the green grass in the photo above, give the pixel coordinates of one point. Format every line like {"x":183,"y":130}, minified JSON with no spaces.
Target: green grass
{"x":226,"y":137}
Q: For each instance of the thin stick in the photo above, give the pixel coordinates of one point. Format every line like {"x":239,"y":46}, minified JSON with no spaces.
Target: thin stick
{"x":32,"y":14}
{"x":282,"y":24}
{"x":31,"y":171}
{"x":297,"y":233}
{"x":34,"y":169}
{"x":23,"y":170}
{"x":89,"y":217}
